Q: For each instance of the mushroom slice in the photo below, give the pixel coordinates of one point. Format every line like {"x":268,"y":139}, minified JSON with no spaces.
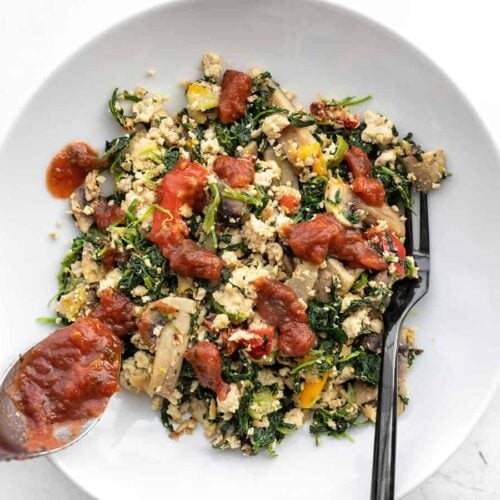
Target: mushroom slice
{"x":303,"y":278}
{"x":364,"y":392}
{"x":288,"y":175}
{"x":171,"y":346}
{"x":299,"y":144}
{"x":385,"y":213}
{"x":427,"y":172}
{"x":339,"y":200}
{"x":92,"y":271}
{"x":335,"y":269}
{"x":78,"y":202}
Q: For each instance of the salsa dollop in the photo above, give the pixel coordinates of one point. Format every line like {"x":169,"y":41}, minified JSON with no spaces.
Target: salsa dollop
{"x":66,"y":379}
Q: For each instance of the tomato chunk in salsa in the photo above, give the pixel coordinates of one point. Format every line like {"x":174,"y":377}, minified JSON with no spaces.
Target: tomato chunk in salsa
{"x":279,"y":306}
{"x":235,"y":88}
{"x":183,"y":185}
{"x":116,"y":311}
{"x":66,"y":379}
{"x":313,"y":240}
{"x":237,"y":172}
{"x":69,"y":167}
{"x":207,"y":364}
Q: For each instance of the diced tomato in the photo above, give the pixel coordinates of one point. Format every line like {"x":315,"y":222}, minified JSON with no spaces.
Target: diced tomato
{"x":315,"y":239}
{"x":183,"y":185}
{"x":190,"y":260}
{"x":387,"y":241}
{"x":261,"y":345}
{"x":237,"y":172}
{"x":334,"y":114}
{"x":105,"y":214}
{"x":290,"y":203}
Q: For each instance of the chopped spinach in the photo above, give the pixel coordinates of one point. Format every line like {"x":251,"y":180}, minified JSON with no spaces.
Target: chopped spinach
{"x":325,"y":318}
{"x":313,"y":194}
{"x":396,"y":184}
{"x":116,"y":109}
{"x":334,"y":422}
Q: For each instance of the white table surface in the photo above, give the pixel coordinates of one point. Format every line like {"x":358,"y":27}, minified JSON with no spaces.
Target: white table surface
{"x":462,"y":37}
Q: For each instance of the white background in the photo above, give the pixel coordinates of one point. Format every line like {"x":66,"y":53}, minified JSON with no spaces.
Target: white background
{"x":462,"y":37}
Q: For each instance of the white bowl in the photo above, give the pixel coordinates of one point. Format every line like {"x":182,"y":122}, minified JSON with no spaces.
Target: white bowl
{"x":309,"y":47}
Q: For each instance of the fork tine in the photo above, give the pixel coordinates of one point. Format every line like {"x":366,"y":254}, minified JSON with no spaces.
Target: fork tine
{"x":409,"y":230}
{"x":424,"y":224}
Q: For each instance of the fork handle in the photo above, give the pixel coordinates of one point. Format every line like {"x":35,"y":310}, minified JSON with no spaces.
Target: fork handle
{"x":384,"y":452}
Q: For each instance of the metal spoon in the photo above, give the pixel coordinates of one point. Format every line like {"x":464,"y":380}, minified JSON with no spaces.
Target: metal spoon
{"x":13,"y":424}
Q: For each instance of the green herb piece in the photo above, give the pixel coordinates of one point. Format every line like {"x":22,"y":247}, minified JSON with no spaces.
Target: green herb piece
{"x":366,"y":365}
{"x":44,"y":320}
{"x":353,"y":137}
{"x":114,"y":154}
{"x":116,"y":109}
{"x":208,"y":225}
{"x":396,"y":185}
{"x":301,"y":119}
{"x":171,"y":157}
{"x":360,"y":282}
{"x":342,"y":147}
{"x":241,"y":196}
{"x":347,"y":101}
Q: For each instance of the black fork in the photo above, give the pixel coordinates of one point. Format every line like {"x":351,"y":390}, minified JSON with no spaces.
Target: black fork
{"x":406,"y":293}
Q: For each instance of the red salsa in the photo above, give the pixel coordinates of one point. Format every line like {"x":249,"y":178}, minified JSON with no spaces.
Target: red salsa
{"x":69,"y":167}
{"x":65,"y":380}
{"x":183,"y":185}
{"x":280,"y":306}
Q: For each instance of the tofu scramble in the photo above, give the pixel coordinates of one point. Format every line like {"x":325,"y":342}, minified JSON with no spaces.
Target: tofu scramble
{"x":246,"y":255}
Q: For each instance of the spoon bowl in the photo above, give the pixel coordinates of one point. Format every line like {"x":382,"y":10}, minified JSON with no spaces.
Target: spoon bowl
{"x":13,"y":424}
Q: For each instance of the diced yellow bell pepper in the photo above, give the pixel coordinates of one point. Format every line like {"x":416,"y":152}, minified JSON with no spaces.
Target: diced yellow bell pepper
{"x":313,"y":151}
{"x":312,"y":390}
{"x":201,"y":97}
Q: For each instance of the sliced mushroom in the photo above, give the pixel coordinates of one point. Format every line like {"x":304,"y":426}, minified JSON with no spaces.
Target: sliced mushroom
{"x":371,"y":342}
{"x":292,"y":138}
{"x":288,"y":175}
{"x":335,"y":269}
{"x":78,"y":203}
{"x":251,"y":149}
{"x":288,"y":265}
{"x":92,"y":271}
{"x":303,"y":279}
{"x":339,"y":201}
{"x":385,"y":213}
{"x":364,"y":392}
{"x":152,"y":320}
{"x":171,"y":346}
{"x":427,"y":172}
